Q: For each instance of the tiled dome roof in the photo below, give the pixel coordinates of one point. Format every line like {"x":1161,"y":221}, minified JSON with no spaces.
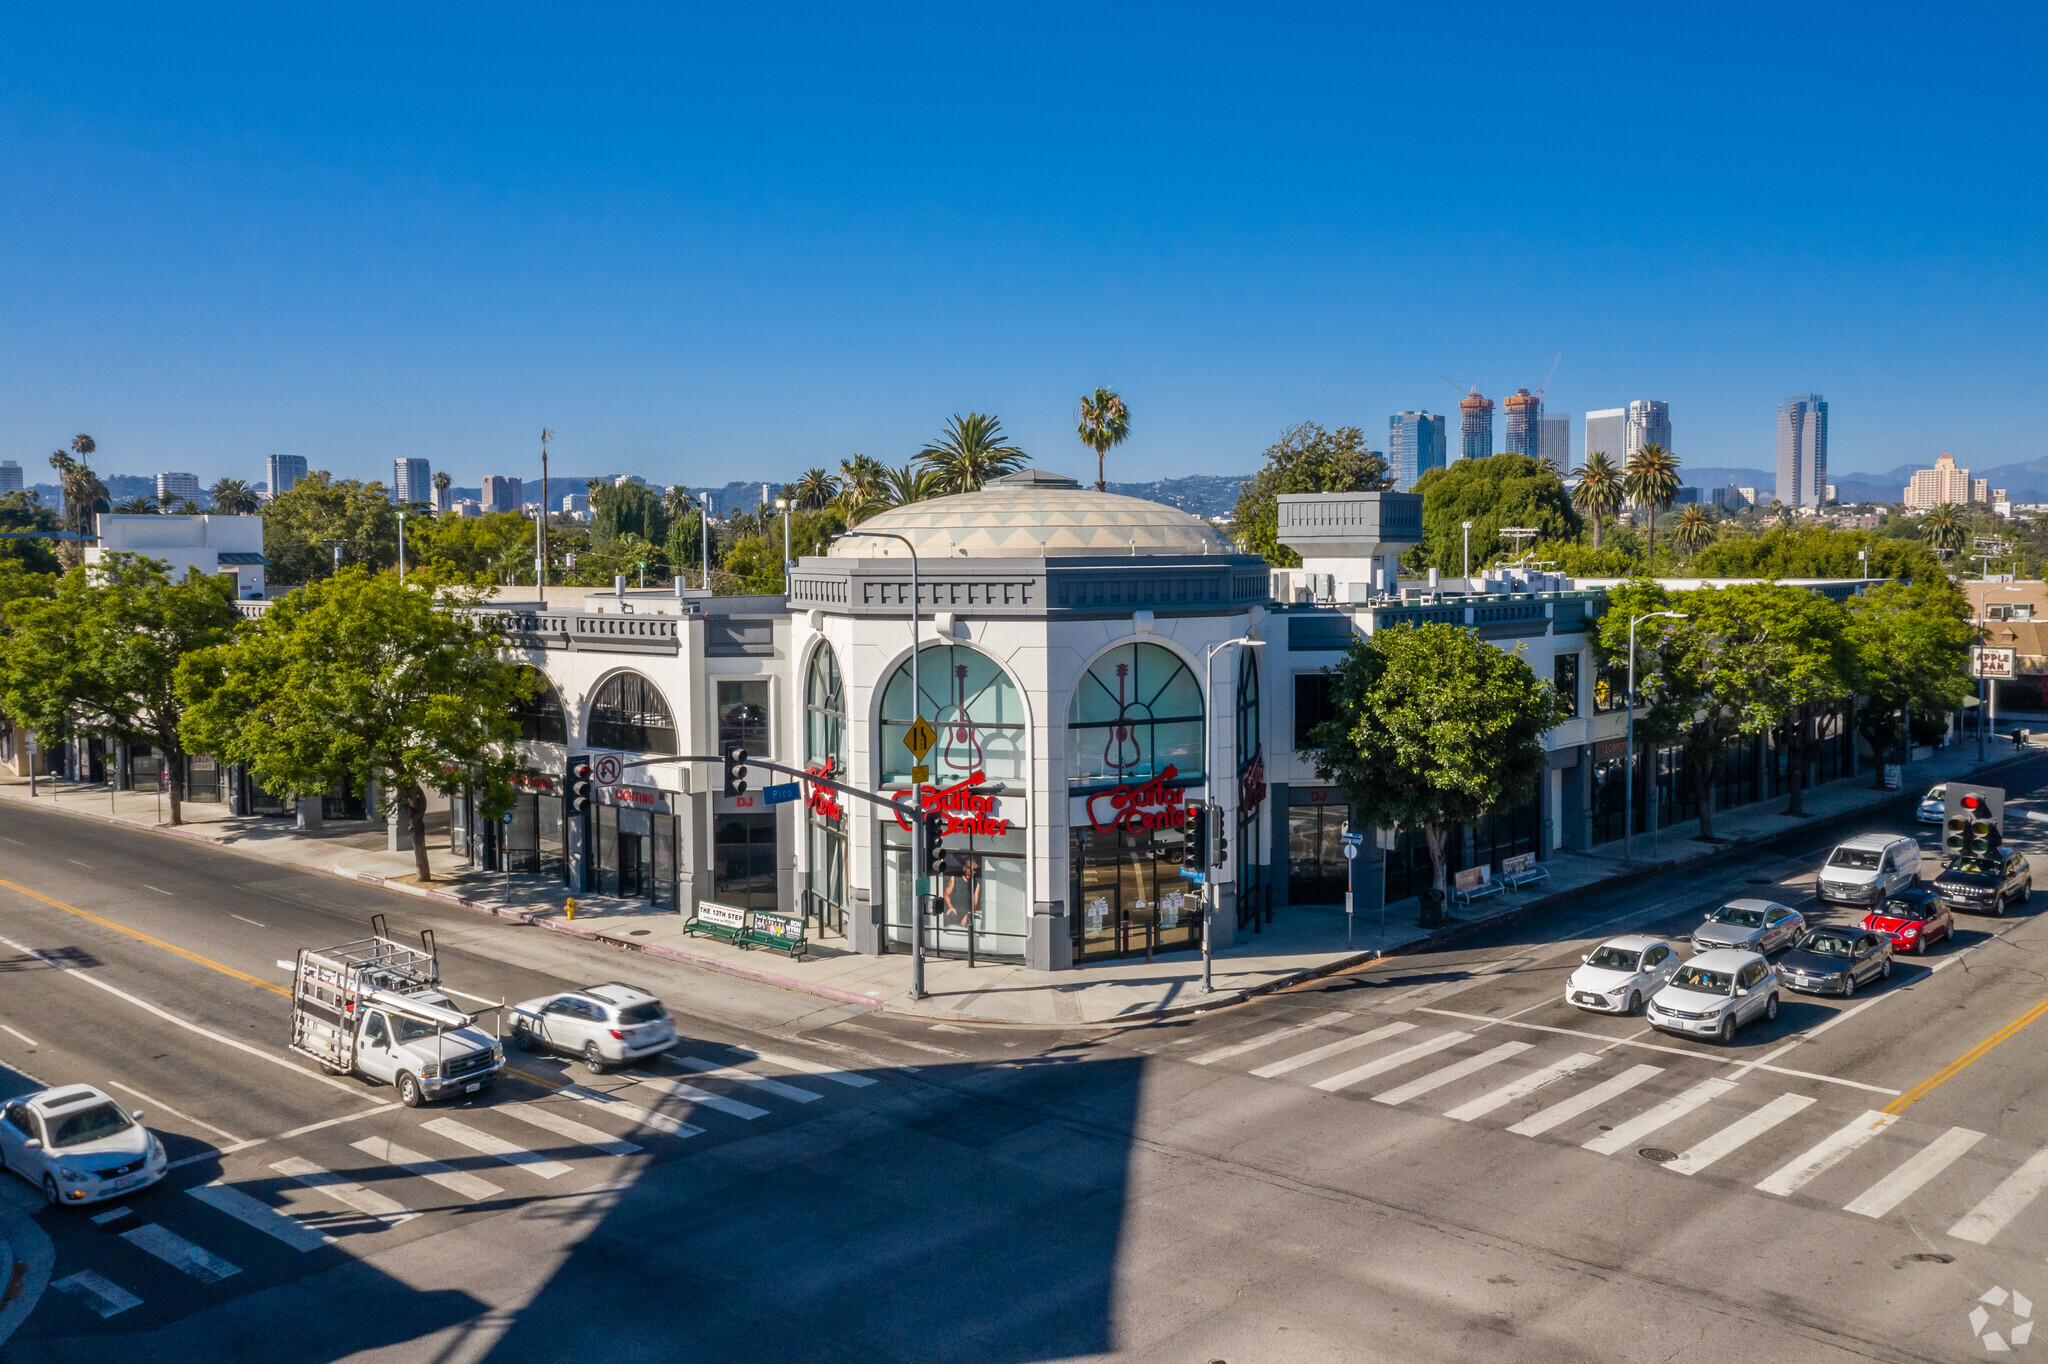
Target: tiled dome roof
{"x":1034,"y":514}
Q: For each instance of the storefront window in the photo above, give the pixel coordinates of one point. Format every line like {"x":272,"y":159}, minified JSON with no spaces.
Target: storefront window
{"x":1136,"y":712}
{"x":1131,"y":895}
{"x":973,"y":705}
{"x":1565,"y":673}
{"x":1251,"y":791}
{"x":978,"y":892}
{"x":743,"y":861}
{"x":628,"y":713}
{"x":743,"y":714}
{"x":540,"y":715}
{"x":824,"y":812}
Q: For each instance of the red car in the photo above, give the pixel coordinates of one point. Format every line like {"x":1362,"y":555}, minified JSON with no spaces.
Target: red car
{"x":1912,"y":919}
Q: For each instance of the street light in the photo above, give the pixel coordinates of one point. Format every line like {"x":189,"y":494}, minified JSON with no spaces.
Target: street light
{"x":401,"y":547}
{"x":1468,"y":547}
{"x":1209,"y":776}
{"x":1628,"y":781}
{"x":782,"y":505}
{"x":917,"y":867}
{"x":704,"y":521}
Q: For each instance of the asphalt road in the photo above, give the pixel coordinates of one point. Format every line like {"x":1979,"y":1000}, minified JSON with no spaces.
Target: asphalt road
{"x":1432,"y":1158}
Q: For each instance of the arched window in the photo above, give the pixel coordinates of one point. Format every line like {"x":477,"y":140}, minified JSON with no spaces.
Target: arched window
{"x":1251,"y":791}
{"x":825,"y":711}
{"x":825,"y":821}
{"x":628,"y":714}
{"x":1136,"y":712}
{"x":973,"y":705}
{"x":540,"y":715}
{"x":1249,"y":752}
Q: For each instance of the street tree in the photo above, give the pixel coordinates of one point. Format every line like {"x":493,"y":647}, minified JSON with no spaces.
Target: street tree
{"x":627,"y":509}
{"x":1908,"y":649}
{"x":1694,"y":529}
{"x":1105,"y":422}
{"x":1501,"y":490}
{"x":1650,"y":478}
{"x":814,"y":490}
{"x":305,"y":524}
{"x":360,"y":678}
{"x":1598,"y":493}
{"x":24,"y":511}
{"x":1306,"y":459}
{"x":1943,"y":530}
{"x":1816,"y":552}
{"x":100,"y":656}
{"x":860,"y":481}
{"x":233,"y":497}
{"x":83,"y":494}
{"x":1433,"y":727}
{"x":971,"y":451}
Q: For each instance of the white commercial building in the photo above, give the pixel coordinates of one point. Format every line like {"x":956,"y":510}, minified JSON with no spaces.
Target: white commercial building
{"x":171,"y":489}
{"x":208,"y":543}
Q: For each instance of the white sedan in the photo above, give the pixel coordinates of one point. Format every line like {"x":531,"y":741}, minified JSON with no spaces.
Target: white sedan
{"x":1617,"y":976}
{"x":1934,"y":805}
{"x":78,"y":1146}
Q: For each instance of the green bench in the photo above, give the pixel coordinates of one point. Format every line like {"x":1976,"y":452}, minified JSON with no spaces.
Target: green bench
{"x":719,"y":921}
{"x":776,"y":932}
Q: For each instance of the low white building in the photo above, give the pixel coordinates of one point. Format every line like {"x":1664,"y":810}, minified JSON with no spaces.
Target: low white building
{"x":209,"y":543}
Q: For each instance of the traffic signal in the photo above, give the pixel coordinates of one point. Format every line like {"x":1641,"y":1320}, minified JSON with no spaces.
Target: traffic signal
{"x":735,"y":768}
{"x":579,"y":787}
{"x":1974,"y":819}
{"x":934,"y":829}
{"x":1195,"y":847}
{"x":1221,"y":854}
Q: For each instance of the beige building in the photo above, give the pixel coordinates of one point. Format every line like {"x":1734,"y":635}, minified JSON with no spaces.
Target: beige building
{"x":1944,"y":483}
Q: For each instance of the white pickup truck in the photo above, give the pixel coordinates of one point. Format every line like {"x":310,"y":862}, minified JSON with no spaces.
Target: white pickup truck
{"x":374,"y":1008}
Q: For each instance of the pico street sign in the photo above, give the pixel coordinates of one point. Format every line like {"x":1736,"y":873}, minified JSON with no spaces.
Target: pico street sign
{"x":1352,"y":843}
{"x":1991,"y":661}
{"x":781,"y":794}
{"x":920,"y":738}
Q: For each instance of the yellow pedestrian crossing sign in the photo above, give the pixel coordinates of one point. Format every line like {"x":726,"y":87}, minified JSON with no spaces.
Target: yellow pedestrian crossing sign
{"x":920,"y":738}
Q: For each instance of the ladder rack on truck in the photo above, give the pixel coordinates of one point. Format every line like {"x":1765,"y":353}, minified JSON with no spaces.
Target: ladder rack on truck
{"x":330,"y":984}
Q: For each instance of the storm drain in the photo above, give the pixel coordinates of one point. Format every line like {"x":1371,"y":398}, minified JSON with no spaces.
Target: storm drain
{"x":1659,"y":1154}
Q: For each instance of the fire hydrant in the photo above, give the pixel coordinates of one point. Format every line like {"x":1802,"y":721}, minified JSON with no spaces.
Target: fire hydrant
{"x":572,"y":906}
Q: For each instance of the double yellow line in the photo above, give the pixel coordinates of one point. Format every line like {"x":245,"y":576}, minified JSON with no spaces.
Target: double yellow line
{"x":193,"y":957}
{"x":1965,"y":1061}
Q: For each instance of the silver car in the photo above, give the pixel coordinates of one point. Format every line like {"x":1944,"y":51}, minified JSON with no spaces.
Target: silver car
{"x":1714,"y":994}
{"x":1761,"y":926}
{"x":607,"y":1025}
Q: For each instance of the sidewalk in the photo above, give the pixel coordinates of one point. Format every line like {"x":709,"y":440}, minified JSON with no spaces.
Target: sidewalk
{"x":1301,"y":943}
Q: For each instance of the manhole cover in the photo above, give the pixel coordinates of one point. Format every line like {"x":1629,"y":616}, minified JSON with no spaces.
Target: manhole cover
{"x":637,"y":933}
{"x":1657,"y":1153}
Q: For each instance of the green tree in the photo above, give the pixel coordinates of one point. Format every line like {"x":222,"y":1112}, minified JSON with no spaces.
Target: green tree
{"x":1598,"y":493}
{"x":861,"y":480}
{"x":83,"y":494}
{"x":1306,"y":459}
{"x":360,"y":678}
{"x":1650,"y":479}
{"x":308,"y":521}
{"x":1943,"y":530}
{"x":24,"y":511}
{"x":1678,"y":687}
{"x":1105,"y":422}
{"x":627,"y":509}
{"x":1694,"y":529}
{"x":901,"y":487}
{"x":477,"y":551}
{"x":144,"y":505}
{"x":1500,"y":490}
{"x":816,"y":489}
{"x":1908,"y":649}
{"x":101,"y":655}
{"x":1433,"y":728}
{"x":1815,"y":552}
{"x":233,"y":497}
{"x":971,"y":451}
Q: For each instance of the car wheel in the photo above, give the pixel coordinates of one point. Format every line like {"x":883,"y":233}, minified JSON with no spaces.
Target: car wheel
{"x":593,"y":1059}
{"x":1635,"y":1002}
{"x":1998,"y":907}
{"x":50,"y":1190}
{"x":1771,"y":1009}
{"x":1919,"y":947}
{"x":409,"y":1092}
{"x":2028,"y":897}
{"x":1885,"y":972}
{"x":1849,"y":983}
{"x":523,"y":1039}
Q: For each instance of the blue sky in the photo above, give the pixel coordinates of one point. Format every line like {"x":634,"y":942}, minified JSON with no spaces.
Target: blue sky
{"x":710,"y":244}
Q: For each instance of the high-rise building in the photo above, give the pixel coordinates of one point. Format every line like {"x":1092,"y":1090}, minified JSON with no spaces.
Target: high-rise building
{"x":1555,"y":442}
{"x":1944,"y":483}
{"x":1803,"y":451}
{"x":1607,"y":433}
{"x":172,"y":489}
{"x":284,"y":471}
{"x":10,"y":476}
{"x":503,"y":494}
{"x":1415,"y":445}
{"x":1649,"y":423}
{"x":412,"y":480}
{"x":1475,"y":426}
{"x":1524,"y":434}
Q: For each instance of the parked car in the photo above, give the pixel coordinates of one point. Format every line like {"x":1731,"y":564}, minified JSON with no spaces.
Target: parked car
{"x":1761,"y":926}
{"x":1865,"y":869}
{"x":1933,"y":805}
{"x":78,"y":1146}
{"x":607,"y":1025}
{"x":1834,"y":961}
{"x":1912,"y":919}
{"x":1985,"y":883}
{"x":1714,"y":994}
{"x":1617,"y":976}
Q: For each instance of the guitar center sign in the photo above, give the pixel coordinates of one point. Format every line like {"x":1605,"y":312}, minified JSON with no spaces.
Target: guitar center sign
{"x":967,"y":811}
{"x":1153,"y":805}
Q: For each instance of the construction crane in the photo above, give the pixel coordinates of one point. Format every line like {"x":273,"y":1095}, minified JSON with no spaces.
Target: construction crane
{"x":1464,"y":390}
{"x":1548,"y":377}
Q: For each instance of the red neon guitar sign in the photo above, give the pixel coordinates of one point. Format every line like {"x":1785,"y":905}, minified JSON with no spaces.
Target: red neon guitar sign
{"x":1155,"y":805}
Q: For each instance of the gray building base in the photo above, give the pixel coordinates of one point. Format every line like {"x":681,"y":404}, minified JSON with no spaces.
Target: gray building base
{"x":1049,"y":942}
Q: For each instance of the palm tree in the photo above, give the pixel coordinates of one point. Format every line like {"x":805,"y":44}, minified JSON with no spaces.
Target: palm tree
{"x":1694,"y":529}
{"x":972,"y":451}
{"x":232,"y":497}
{"x":1942,"y":530}
{"x":136,"y":506}
{"x":814,"y":489}
{"x":1651,"y":482}
{"x":442,"y":483}
{"x":1105,"y":421}
{"x":898,"y":488}
{"x":1598,"y":494}
{"x":860,"y":479}
{"x":83,"y":492}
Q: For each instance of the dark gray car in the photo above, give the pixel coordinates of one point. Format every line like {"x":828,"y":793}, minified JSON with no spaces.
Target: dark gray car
{"x":1761,"y":926}
{"x":1835,"y":961}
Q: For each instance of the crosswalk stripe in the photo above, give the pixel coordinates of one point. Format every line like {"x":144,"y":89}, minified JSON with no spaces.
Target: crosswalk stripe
{"x":1737,"y":1134}
{"x":633,"y":1113}
{"x":179,"y":1253}
{"x":853,"y":1079}
{"x":346,"y":1192}
{"x":1663,"y":1115}
{"x":104,"y":1298}
{"x":704,"y":1097}
{"x":1345,"y":1079}
{"x":1830,"y":1151}
{"x":1264,"y":1039}
{"x":581,"y":1133}
{"x":1437,"y":1079}
{"x":1564,"y":1110}
{"x":464,"y":1135}
{"x":2004,"y":1203}
{"x":1522,"y":1088}
{"x":426,"y":1167}
{"x":1329,"y":1049}
{"x":779,"y":1088}
{"x":1929,"y":1161}
{"x":256,"y":1213}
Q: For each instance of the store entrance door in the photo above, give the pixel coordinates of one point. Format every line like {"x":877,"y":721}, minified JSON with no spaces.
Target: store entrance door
{"x":1317,"y":873}
{"x":743,"y":849}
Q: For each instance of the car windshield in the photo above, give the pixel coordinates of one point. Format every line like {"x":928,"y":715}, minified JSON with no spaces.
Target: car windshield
{"x":411,"y":1029}
{"x":1937,"y":794}
{"x":1915,"y":910}
{"x":1741,"y":918}
{"x":1975,"y":866}
{"x":650,"y":1012}
{"x":88,"y":1124}
{"x":1856,"y":859}
{"x":1825,"y":944}
{"x":1706,"y":982}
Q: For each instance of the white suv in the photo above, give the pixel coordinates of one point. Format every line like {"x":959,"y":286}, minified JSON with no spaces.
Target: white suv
{"x":607,"y":1025}
{"x":1715,"y":993}
{"x":1865,"y":869}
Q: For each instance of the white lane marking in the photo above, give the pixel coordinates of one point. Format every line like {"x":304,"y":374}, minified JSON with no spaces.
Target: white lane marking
{"x":76,"y":863}
{"x":748,"y":1077}
{"x":169,"y":1017}
{"x":22,"y":1035}
{"x":814,"y":1068}
{"x":1896,"y":1187}
{"x":104,"y":1298}
{"x":1329,"y":1049}
{"x":251,"y":922}
{"x":187,"y":1117}
{"x":464,"y":1135}
{"x":1522,"y":1088}
{"x":611,"y":1103}
{"x":346,"y":1192}
{"x":158,"y":889}
{"x":2003,"y":1203}
{"x":912,"y":1043}
{"x":1380,"y":1066}
{"x":333,"y":1122}
{"x":1565,"y":1110}
{"x":1264,"y":1039}
{"x":210,"y":1153}
{"x":1829,"y":1152}
{"x":581,"y":1133}
{"x":1437,"y":1079}
{"x":1737,"y":1134}
{"x":112,"y":1215}
{"x":179,"y":1253}
{"x":1663,"y":1115}
{"x":461,"y":994}
{"x":704,"y":1097}
{"x":426,"y":1167}
{"x":260,"y":1215}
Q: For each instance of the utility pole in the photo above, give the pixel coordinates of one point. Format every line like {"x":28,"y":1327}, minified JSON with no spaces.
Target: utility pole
{"x":540,"y":529}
